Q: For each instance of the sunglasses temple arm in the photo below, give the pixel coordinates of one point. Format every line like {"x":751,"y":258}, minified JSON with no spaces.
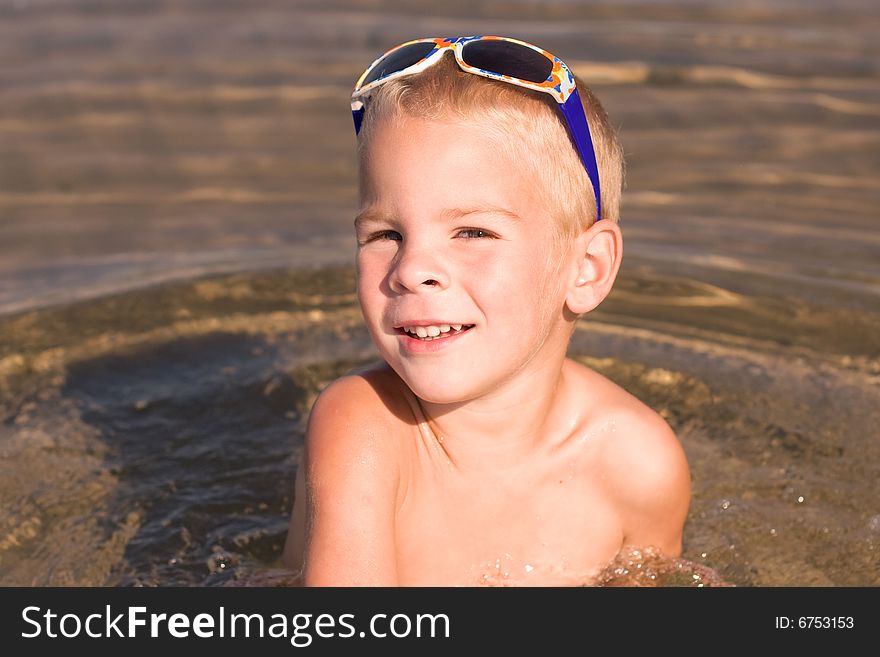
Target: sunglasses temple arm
{"x":579,"y":130}
{"x":358,"y":116}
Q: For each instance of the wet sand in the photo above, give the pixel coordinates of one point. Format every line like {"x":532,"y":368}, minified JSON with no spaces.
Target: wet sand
{"x":176,"y":192}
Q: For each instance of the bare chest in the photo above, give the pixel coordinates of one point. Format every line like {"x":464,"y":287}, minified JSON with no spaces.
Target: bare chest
{"x":555,"y":530}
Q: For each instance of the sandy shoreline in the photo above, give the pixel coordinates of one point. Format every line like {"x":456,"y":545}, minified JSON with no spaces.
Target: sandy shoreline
{"x":105,"y":404}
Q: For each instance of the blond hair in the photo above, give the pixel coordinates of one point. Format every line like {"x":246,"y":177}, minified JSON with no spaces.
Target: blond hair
{"x":527,"y":126}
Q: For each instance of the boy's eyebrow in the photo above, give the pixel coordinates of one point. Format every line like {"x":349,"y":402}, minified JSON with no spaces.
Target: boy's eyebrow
{"x":366,"y":216}
{"x":371,"y":215}
{"x":459,"y":213}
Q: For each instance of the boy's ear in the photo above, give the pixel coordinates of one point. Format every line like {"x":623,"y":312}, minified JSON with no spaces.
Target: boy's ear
{"x":598,"y":251}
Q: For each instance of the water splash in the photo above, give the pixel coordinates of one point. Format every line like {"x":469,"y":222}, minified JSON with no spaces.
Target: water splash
{"x":648,"y":567}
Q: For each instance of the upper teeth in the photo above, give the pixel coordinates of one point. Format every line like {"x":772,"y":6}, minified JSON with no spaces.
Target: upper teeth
{"x":433,"y":330}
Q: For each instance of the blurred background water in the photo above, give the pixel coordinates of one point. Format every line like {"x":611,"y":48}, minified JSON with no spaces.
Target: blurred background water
{"x":177,"y":186}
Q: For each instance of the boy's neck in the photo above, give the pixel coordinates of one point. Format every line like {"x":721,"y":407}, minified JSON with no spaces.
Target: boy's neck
{"x":502,"y":430}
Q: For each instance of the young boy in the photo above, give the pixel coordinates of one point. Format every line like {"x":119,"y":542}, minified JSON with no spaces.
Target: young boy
{"x":476,"y":453}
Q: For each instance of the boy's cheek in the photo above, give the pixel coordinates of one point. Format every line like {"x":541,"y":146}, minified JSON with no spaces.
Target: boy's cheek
{"x":370,"y":271}
{"x":373,"y":305}
{"x":370,"y":307}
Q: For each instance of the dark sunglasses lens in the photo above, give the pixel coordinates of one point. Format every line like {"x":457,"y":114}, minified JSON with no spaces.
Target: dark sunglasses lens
{"x":507,"y":58}
{"x":399,"y":60}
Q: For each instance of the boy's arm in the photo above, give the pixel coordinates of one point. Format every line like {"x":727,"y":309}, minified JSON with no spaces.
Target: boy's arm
{"x":350,"y":484}
{"x":652,"y":483}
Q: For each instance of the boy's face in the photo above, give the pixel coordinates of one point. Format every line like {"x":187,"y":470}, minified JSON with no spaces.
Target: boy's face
{"x":451,"y":232}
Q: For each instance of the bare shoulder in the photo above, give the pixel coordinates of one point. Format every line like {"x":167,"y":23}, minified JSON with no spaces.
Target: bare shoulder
{"x":350,"y":476}
{"x":353,"y":428}
{"x":360,"y":402}
{"x":643,"y":465}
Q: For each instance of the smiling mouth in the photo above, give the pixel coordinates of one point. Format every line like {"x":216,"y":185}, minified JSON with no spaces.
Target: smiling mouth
{"x":433,"y":331}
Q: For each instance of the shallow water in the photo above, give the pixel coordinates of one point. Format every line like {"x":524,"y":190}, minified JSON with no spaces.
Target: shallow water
{"x":152,"y":438}
{"x":151,"y":417}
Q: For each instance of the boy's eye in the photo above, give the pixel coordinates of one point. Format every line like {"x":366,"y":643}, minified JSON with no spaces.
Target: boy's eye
{"x":383,"y":235}
{"x":474,"y":233}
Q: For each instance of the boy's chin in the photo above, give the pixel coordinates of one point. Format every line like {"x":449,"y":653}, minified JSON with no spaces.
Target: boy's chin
{"x":437,"y":389}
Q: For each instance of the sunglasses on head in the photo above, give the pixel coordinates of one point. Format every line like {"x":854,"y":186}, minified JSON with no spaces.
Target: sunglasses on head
{"x":498,"y":58}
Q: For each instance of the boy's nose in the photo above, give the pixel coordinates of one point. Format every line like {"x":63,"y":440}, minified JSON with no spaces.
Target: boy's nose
{"x":417,"y":270}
